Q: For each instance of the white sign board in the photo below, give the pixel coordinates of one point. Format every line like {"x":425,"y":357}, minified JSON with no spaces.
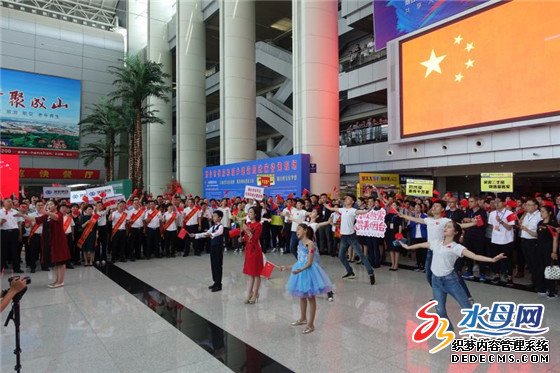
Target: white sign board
{"x":254,"y":192}
{"x":56,"y":192}
{"x":76,"y":196}
{"x":96,"y":192}
{"x":371,"y":224}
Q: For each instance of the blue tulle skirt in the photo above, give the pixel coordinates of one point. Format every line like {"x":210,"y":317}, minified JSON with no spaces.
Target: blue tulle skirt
{"x":310,"y":282}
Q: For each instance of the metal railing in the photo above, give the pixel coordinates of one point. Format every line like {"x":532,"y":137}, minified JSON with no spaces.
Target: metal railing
{"x":360,"y":136}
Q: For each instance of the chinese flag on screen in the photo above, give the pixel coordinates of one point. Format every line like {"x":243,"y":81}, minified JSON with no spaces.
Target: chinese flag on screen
{"x":495,"y":65}
{"x":9,"y":175}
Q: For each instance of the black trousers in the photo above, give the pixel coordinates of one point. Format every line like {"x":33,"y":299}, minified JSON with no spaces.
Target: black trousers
{"x":325,"y":238}
{"x":420,"y":253}
{"x":102,"y":243}
{"x":70,"y":243}
{"x":34,"y":249}
{"x":227,"y":240}
{"x":9,"y":240}
{"x":170,"y":245}
{"x":533,"y":260}
{"x":135,"y":242}
{"x":188,"y":241}
{"x":504,"y":266}
{"x":153,"y":238}
{"x":118,"y":245}
{"x":477,"y":246}
{"x":216,"y":262}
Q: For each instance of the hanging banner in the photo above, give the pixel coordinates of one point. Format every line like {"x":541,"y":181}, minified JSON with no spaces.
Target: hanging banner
{"x":496,"y":182}
{"x":371,"y":182}
{"x":103,"y":192}
{"x":77,"y":196}
{"x":252,"y":192}
{"x":371,"y":224}
{"x":419,"y":188}
{"x":58,"y":173}
{"x":56,"y":192}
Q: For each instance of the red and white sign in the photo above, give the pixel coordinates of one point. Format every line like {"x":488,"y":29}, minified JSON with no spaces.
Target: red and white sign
{"x":77,"y":196}
{"x":254,"y":192}
{"x":371,"y":224}
{"x":102,"y":192}
{"x":9,"y":175}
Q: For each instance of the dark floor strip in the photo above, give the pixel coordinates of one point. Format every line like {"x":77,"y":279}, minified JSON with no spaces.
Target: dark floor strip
{"x":229,"y":350}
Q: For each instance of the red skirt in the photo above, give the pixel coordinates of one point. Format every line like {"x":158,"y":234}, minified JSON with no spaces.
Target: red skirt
{"x":253,"y":260}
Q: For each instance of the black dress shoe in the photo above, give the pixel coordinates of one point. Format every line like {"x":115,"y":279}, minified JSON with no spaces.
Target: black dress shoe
{"x":32,"y":270}
{"x":69,"y":266}
{"x":217,"y":288}
{"x":212,"y":286}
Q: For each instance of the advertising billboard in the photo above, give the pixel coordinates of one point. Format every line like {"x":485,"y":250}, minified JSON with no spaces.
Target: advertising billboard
{"x":281,"y":175}
{"x":39,"y":114}
{"x":395,"y":18}
{"x":492,"y":66}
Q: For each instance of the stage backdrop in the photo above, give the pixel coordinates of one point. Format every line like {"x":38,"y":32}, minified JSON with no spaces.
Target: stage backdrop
{"x":39,"y":114}
{"x":281,"y":175}
{"x":394,"y":18}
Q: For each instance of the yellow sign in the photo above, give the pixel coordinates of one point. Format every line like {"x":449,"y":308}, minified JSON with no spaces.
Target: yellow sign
{"x":379,"y":180}
{"x":419,"y":188}
{"x":496,"y":182}
{"x":265,"y":180}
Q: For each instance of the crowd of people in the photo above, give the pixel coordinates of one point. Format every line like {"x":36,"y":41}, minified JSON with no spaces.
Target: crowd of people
{"x":489,"y":238}
{"x":365,"y":131}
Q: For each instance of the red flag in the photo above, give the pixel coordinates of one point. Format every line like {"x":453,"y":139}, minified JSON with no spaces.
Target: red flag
{"x":226,"y":193}
{"x":179,"y":190}
{"x":107,"y":204}
{"x":129,"y":203}
{"x":102,"y":194}
{"x":399,"y":236}
{"x":436,"y":193}
{"x":305,"y":192}
{"x":552,"y":230}
{"x":182,"y":233}
{"x":234,"y":233}
{"x":135,"y":193}
{"x":267,"y":270}
{"x":464,"y":203}
{"x":392,"y":210}
{"x":512,"y":217}
{"x":479,"y":221}
{"x":291,"y":195}
{"x":381,"y":192}
{"x":85,"y":199}
{"x":97,"y":198}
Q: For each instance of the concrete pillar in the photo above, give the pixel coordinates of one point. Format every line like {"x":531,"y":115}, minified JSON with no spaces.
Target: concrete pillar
{"x":238,"y":128}
{"x":191,"y":95}
{"x":315,"y":86}
{"x":270,"y":144}
{"x":159,"y":146}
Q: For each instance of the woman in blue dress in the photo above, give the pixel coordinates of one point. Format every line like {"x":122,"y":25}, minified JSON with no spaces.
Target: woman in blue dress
{"x":307,"y":279}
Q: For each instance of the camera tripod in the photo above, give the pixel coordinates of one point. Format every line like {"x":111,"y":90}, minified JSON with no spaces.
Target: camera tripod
{"x":15,"y":317}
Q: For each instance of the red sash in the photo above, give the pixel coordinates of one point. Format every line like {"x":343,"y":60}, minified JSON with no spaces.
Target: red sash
{"x":135,"y":216}
{"x":151,"y":216}
{"x":169,"y":222}
{"x":191,"y":214}
{"x":118,"y":224}
{"x":34,"y":229}
{"x":67,"y":223}
{"x":89,"y":228}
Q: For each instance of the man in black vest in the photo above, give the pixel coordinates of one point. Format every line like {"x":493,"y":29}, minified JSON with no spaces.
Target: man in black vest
{"x":215,"y":233}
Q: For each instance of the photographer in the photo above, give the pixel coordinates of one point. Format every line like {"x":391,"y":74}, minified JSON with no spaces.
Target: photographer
{"x":17,"y":285}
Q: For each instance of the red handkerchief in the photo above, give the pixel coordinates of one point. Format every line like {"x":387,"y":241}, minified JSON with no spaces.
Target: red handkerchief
{"x":512,"y":217}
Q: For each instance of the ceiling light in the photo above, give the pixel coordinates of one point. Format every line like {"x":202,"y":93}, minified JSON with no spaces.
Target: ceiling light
{"x":283,"y":24}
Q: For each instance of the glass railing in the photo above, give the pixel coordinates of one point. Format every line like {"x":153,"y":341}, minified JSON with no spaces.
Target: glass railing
{"x":356,"y":60}
{"x":360,"y":136}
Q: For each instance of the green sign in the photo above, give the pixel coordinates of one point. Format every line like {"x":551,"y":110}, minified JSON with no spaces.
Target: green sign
{"x":123,"y":187}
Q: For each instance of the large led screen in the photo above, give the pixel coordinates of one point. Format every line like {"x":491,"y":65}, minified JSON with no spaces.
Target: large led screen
{"x":39,"y":114}
{"x":496,"y":65}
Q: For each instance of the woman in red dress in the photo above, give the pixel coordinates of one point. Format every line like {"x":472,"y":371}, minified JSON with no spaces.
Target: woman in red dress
{"x":59,"y":246}
{"x":253,"y":255}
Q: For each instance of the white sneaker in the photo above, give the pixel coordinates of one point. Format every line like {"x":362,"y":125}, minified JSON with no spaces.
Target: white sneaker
{"x":102,"y":262}
{"x":97,"y":263}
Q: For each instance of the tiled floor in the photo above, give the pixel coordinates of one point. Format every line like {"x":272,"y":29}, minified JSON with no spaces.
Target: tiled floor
{"x":92,"y":324}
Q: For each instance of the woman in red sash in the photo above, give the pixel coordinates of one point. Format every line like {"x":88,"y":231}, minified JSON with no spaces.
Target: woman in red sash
{"x":59,"y":246}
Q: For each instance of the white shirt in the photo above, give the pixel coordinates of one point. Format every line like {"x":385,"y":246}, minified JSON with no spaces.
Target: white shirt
{"x":11,"y":221}
{"x":116,"y":216}
{"x":206,"y":214}
{"x":418,"y":233}
{"x":154,"y":223}
{"x":347,"y":220}
{"x":444,"y":257}
{"x":227,"y":216}
{"x":40,"y":229}
{"x":297,"y":217}
{"x":531,"y":221}
{"x":435,"y":229}
{"x":215,"y":231}
{"x":287,"y":212}
{"x":500,"y":235}
{"x":69,"y":229}
{"x":335,"y":217}
{"x":194,"y":219}
{"x":138,"y":223}
{"x":172,"y":226}
{"x":102,"y":221}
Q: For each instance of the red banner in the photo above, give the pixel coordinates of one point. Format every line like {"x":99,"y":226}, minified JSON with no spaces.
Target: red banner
{"x":58,"y":173}
{"x":9,"y":168}
{"x":41,"y":152}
